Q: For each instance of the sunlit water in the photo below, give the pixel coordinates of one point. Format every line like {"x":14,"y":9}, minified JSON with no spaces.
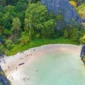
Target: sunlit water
{"x":56,"y":68}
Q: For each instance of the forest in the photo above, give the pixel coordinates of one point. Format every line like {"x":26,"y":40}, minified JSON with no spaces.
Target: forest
{"x":27,"y":23}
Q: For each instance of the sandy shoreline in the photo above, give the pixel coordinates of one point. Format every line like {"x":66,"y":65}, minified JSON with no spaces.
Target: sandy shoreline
{"x":27,"y":57}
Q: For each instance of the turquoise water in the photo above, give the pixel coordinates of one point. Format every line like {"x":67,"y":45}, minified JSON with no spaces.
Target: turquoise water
{"x":58,"y":68}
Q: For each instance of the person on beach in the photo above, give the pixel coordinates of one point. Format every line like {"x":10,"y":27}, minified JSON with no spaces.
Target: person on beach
{"x":11,"y":77}
{"x":24,"y":79}
{"x":4,"y":61}
{"x":36,"y":70}
{"x":20,"y":58}
{"x":33,"y":49}
{"x":30,"y":54}
{"x":82,"y":54}
{"x":27,"y":55}
{"x":8,"y":67}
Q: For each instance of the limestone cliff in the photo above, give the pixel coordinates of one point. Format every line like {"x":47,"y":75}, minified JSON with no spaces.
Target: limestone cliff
{"x":62,"y":7}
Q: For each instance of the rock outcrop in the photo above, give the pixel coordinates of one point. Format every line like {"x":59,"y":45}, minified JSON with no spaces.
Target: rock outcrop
{"x":82,"y":54}
{"x":3,"y":79}
{"x":63,"y":7}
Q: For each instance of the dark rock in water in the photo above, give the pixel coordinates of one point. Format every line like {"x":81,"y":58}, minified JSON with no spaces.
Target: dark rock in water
{"x":62,"y":7}
{"x":3,"y":79}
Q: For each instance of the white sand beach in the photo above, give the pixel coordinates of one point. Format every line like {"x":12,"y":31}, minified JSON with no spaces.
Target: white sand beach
{"x":28,"y":57}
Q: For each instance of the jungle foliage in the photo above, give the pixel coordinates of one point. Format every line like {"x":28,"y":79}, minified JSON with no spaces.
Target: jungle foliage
{"x":23,"y":22}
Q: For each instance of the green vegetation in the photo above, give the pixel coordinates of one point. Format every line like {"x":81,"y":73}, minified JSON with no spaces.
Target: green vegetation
{"x":81,"y":10}
{"x":2,"y":73}
{"x":39,"y":42}
{"x":82,"y":40}
{"x":24,"y":25}
{"x":77,"y":2}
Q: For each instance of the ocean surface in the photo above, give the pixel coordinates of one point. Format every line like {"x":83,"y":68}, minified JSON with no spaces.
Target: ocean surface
{"x":54,"y":68}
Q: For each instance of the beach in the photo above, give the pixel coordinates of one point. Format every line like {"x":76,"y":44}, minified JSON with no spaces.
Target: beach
{"x":14,"y":65}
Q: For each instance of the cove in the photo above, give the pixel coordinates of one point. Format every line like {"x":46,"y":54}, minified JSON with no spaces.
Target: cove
{"x":55,"y":67}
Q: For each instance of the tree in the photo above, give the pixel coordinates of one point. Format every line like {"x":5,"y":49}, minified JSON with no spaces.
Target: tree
{"x":2,"y":2}
{"x":82,"y":31}
{"x":82,"y":40}
{"x":59,"y":17}
{"x":7,"y":17}
{"x":65,"y":34}
{"x":75,"y":34}
{"x":73,"y":3}
{"x":24,"y":39}
{"x":38,"y":19}
{"x":8,"y":44}
{"x":16,"y":27}
{"x":2,"y":49}
{"x":48,"y":29}
{"x":28,"y":26}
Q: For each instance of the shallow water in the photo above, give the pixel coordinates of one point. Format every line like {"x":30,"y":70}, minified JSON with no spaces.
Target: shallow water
{"x":55,"y":68}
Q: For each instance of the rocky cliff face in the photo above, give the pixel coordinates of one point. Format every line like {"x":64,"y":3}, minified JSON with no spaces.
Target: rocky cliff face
{"x":3,"y":79}
{"x":62,"y":7}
